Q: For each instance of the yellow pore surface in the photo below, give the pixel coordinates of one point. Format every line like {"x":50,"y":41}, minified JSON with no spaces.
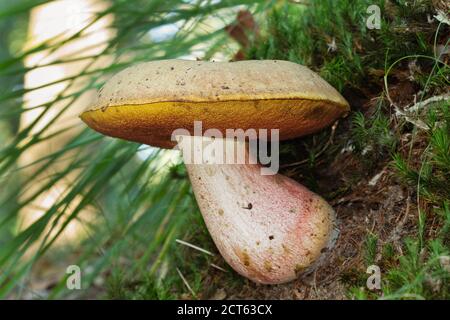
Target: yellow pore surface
{"x":154,"y":123}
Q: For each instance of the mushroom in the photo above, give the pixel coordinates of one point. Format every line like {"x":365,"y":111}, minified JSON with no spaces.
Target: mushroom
{"x":268,"y":228}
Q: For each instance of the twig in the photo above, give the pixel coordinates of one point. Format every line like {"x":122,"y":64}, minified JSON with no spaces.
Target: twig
{"x":415,"y":108}
{"x":419,"y":105}
{"x":418,"y":123}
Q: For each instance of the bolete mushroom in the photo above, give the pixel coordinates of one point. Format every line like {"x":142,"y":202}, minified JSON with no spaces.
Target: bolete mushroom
{"x":269,"y":228}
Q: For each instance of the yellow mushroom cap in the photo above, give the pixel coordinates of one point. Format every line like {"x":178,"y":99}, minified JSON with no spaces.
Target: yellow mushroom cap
{"x":147,"y":102}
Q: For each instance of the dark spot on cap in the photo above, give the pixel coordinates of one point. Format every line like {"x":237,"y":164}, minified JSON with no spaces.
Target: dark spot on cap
{"x":271,"y":237}
{"x":248,"y":207}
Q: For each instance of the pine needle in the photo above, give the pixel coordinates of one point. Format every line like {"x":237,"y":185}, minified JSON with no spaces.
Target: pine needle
{"x":187,"y":244}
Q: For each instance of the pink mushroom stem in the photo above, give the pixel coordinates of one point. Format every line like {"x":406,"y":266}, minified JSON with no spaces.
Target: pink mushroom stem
{"x":268,"y":228}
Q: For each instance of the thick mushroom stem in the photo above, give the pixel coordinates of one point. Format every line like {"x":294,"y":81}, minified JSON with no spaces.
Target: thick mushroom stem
{"x":268,"y":228}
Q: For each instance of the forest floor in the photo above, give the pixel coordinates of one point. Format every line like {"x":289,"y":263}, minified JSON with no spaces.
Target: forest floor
{"x":385,"y":168}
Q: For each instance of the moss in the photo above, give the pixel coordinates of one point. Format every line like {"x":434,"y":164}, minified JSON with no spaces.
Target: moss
{"x":332,"y":38}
